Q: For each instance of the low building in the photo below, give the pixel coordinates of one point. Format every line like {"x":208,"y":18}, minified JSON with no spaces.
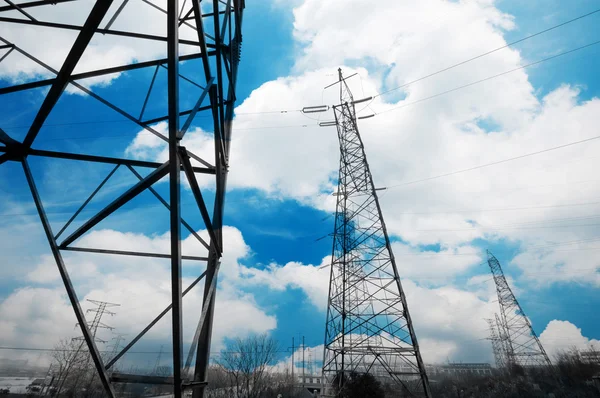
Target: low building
{"x":591,"y":357}
{"x":313,"y":383}
{"x":460,"y":369}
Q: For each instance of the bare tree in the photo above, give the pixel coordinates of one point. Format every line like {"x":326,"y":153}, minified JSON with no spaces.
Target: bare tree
{"x":69,"y":361}
{"x":245,"y":361}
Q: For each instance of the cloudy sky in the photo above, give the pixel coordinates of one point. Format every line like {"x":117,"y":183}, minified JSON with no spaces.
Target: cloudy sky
{"x":538,"y":214}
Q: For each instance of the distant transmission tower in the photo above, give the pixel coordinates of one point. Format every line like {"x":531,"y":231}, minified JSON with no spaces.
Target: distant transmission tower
{"x":118,"y":338}
{"x":96,"y":323}
{"x":497,"y":342}
{"x":368,"y":327}
{"x":523,"y":348}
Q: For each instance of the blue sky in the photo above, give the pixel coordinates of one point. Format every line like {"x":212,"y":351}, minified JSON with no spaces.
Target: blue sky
{"x":279,"y":202}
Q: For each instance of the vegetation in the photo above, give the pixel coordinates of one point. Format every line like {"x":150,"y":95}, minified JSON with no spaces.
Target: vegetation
{"x":357,"y":385}
{"x":570,"y":377}
{"x":242,"y":367}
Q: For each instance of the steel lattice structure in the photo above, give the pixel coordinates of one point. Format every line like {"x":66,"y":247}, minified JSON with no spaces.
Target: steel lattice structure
{"x":368,"y":326}
{"x":498,"y":341}
{"x":215,"y":58}
{"x":521,"y":345}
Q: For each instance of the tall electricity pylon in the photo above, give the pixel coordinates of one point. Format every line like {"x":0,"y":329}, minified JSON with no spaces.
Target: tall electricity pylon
{"x":207,"y":36}
{"x":368,"y":326}
{"x":523,"y":348}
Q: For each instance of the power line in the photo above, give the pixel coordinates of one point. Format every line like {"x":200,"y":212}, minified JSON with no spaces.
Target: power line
{"x":490,"y":52}
{"x":496,"y":162}
{"x":488,"y":78}
{"x":507,"y":227}
{"x":43,"y":139}
{"x":307,"y":125}
{"x":288,"y":111}
{"x":502,"y":209}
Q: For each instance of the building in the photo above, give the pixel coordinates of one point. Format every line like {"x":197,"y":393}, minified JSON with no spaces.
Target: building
{"x":591,"y":357}
{"x":459,"y":369}
{"x":313,"y":383}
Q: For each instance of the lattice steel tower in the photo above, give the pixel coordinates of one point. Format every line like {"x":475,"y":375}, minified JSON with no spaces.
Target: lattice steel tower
{"x":522,"y":346}
{"x":207,"y":36}
{"x":368,"y":326}
{"x":498,"y":341}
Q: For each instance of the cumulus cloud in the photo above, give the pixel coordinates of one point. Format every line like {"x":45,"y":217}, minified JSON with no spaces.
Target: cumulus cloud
{"x":533,"y":201}
{"x":103,"y":51}
{"x":560,"y":336}
{"x":140,"y":285}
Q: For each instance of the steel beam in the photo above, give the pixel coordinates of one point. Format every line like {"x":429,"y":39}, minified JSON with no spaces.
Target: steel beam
{"x":187,"y":167}
{"x":174,"y":190}
{"x":96,"y":73}
{"x":131,"y":193}
{"x":6,"y":139}
{"x":201,"y":38}
{"x":109,"y":160}
{"x":221,"y":139}
{"x":62,"y":269}
{"x":204,"y":313}
{"x":86,"y":201}
{"x":87,"y":31}
{"x":130,"y":253}
{"x":164,"y":202}
{"x":195,"y":109}
{"x":140,"y":379}
{"x":98,"y":30}
{"x":35,"y":4}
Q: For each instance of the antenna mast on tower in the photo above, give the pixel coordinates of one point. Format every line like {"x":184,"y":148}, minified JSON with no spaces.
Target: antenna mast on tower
{"x":368,"y":327}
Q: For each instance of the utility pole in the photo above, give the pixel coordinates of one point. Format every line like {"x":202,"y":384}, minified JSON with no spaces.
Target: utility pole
{"x":303,"y":373}
{"x":368,"y":328}
{"x":522,"y":346}
{"x":293,"y":363}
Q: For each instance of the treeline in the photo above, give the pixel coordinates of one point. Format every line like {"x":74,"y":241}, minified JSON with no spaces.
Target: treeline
{"x":570,"y":377}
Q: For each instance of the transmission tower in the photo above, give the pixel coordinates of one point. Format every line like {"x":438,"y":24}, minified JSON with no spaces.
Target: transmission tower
{"x":522,"y":346}
{"x":96,"y":323}
{"x":497,"y":342}
{"x":210,"y":46}
{"x":368,"y":326}
{"x":157,"y":364}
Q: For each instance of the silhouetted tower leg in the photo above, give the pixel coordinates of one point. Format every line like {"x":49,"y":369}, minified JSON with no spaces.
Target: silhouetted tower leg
{"x":523,"y":348}
{"x":368,"y":327}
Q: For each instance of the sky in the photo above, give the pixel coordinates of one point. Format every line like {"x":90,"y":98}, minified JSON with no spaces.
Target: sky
{"x":537,"y":214}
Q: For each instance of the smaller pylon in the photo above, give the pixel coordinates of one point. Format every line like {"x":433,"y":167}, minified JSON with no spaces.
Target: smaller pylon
{"x":497,"y":343}
{"x":522,"y":346}
{"x":96,"y":323}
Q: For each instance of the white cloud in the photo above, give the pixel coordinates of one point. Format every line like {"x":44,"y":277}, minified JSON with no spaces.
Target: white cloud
{"x":313,"y":361}
{"x":140,"y":285}
{"x":434,"y":267}
{"x":312,"y":279}
{"x":560,"y":336}
{"x":103,"y":50}
{"x":522,"y":201}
